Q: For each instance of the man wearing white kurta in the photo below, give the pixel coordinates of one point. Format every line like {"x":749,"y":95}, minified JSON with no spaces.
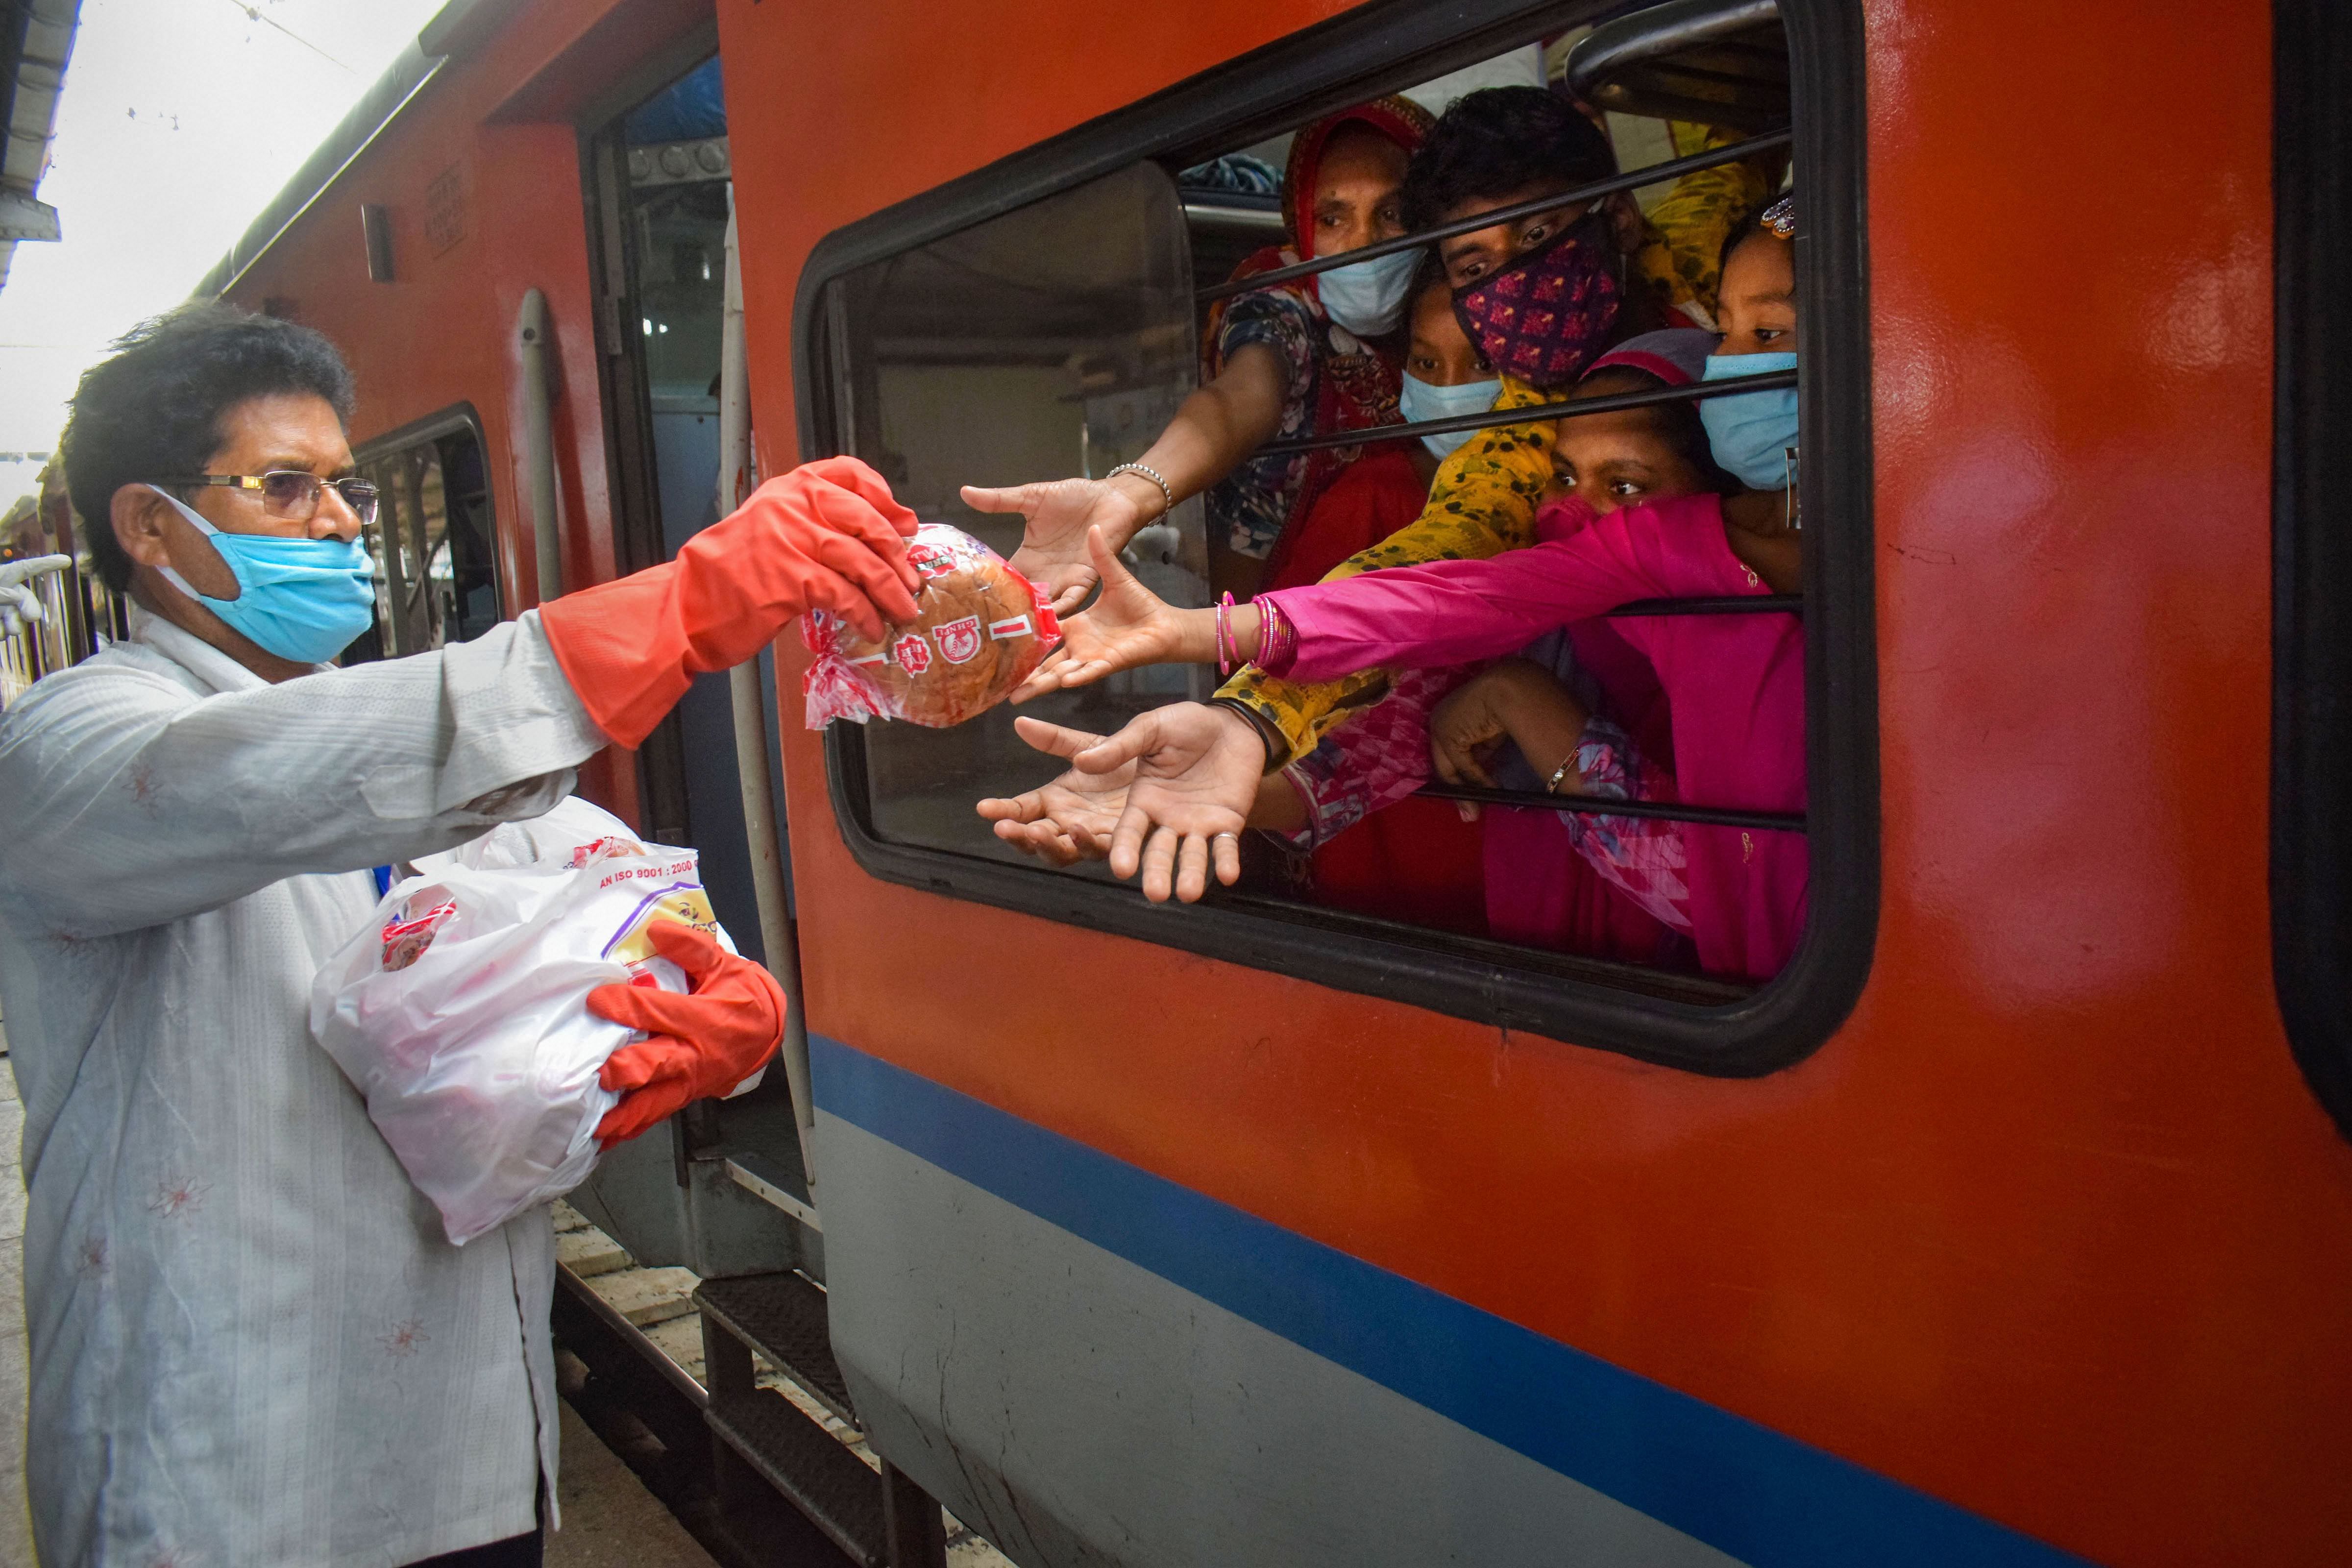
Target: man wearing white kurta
{"x":251,"y":1343}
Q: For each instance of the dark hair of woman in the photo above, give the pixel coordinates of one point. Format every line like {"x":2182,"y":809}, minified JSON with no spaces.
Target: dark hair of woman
{"x":154,"y":407}
{"x":1744,"y":227}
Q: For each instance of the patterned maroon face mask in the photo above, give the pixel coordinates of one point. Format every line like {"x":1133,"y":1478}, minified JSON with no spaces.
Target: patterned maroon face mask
{"x":1546,"y":315}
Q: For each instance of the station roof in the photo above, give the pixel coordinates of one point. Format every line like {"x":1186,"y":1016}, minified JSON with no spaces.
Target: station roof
{"x":35,"y":39}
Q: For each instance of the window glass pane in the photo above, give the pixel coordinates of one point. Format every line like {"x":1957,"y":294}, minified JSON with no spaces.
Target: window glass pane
{"x":1054,"y":341}
{"x":466,"y":582}
{"x":681,"y":286}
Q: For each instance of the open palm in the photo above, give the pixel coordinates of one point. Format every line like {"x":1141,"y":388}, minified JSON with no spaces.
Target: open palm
{"x":1130,"y":625}
{"x":1057,"y":515}
{"x":1196,"y":774}
{"x":1069,"y":819}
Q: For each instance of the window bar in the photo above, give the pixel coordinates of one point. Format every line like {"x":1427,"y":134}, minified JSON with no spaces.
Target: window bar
{"x":1534,"y":414}
{"x":1655,"y":173}
{"x":1592,"y":805}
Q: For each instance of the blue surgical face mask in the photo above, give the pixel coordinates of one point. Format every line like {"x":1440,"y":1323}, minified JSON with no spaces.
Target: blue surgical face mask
{"x":303,"y":599}
{"x":1751,"y":432}
{"x":1368,"y":298}
{"x":1422,"y":400}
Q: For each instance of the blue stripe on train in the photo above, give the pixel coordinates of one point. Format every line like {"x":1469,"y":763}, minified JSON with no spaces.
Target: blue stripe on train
{"x":1743,"y":1489}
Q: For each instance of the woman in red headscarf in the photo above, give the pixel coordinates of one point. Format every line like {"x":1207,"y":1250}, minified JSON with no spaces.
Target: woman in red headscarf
{"x":1313,"y":354}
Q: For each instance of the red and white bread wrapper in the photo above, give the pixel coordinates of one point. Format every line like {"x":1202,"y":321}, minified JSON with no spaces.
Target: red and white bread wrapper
{"x":983,"y":627}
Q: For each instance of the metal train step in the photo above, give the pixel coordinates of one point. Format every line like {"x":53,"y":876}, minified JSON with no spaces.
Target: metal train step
{"x":824,"y":1479}
{"x":781,"y":1317}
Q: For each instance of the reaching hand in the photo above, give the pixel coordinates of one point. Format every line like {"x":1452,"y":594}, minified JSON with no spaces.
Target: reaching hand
{"x":1512,"y":700}
{"x":19,"y":603}
{"x":1057,"y":516}
{"x":1130,"y":625}
{"x":1469,"y":722}
{"x":1070,"y":818}
{"x":1196,"y":773}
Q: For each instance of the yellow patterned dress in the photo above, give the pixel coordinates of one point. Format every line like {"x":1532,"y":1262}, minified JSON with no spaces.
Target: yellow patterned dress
{"x":1690,"y":223}
{"x":1482,"y":503}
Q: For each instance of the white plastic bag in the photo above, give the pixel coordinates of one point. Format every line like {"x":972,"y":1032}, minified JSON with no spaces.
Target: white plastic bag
{"x":461,"y":1014}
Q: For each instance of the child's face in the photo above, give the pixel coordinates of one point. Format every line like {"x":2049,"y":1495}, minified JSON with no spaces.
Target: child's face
{"x":1357,"y":182}
{"x":1440,"y":353}
{"x":1470,"y":257}
{"x":1619,"y":459}
{"x":1760,"y":296}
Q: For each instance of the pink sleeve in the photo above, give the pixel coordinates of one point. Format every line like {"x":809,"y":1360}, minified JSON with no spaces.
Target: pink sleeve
{"x":1451,"y":612}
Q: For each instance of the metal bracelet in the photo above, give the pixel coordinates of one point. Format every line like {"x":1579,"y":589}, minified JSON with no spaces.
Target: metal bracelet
{"x":1151,"y":473}
{"x":1551,"y":784}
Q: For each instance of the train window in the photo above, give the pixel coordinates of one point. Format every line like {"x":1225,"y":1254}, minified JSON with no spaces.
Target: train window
{"x":432,"y":542}
{"x":2311,"y":779}
{"x":1046,"y":318}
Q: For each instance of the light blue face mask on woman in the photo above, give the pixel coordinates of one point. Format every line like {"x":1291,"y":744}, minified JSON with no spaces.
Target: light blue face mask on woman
{"x":1422,"y":400}
{"x":303,"y":599}
{"x":1750,"y":432}
{"x":1368,"y":298}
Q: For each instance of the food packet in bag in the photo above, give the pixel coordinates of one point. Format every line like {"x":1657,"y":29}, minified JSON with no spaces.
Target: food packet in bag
{"x":984,"y":627}
{"x":461,"y":1011}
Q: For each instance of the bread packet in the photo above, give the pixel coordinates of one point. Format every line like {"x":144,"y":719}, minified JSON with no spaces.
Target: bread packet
{"x":983,"y":627}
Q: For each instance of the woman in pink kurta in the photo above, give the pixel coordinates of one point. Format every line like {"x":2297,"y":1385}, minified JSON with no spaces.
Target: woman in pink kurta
{"x":1734,"y":683}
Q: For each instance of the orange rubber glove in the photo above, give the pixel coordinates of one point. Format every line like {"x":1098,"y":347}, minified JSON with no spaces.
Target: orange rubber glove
{"x":825,"y":536}
{"x":699,"y":1044}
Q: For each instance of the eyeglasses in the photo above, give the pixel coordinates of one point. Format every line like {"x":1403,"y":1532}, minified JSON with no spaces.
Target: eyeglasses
{"x":291,"y":495}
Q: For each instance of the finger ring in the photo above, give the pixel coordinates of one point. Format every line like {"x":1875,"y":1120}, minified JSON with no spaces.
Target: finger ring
{"x":1234,"y":836}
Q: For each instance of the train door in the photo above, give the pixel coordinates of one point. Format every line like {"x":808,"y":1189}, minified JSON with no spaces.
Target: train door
{"x":658,"y":201}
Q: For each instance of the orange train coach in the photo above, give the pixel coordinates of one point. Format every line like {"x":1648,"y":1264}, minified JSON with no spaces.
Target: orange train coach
{"x":2010,"y":1222}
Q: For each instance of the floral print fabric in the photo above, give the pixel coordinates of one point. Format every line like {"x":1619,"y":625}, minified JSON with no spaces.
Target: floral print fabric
{"x":1549,"y":314}
{"x":1334,"y":380}
{"x":1382,"y":756}
{"x":1375,"y":761}
{"x":1643,"y":855}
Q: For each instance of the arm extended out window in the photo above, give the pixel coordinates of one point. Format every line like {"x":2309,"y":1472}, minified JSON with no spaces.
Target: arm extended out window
{"x":1041,"y":318}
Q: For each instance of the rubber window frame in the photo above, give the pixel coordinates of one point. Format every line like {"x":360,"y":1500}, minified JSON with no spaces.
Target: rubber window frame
{"x":2311,"y":522}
